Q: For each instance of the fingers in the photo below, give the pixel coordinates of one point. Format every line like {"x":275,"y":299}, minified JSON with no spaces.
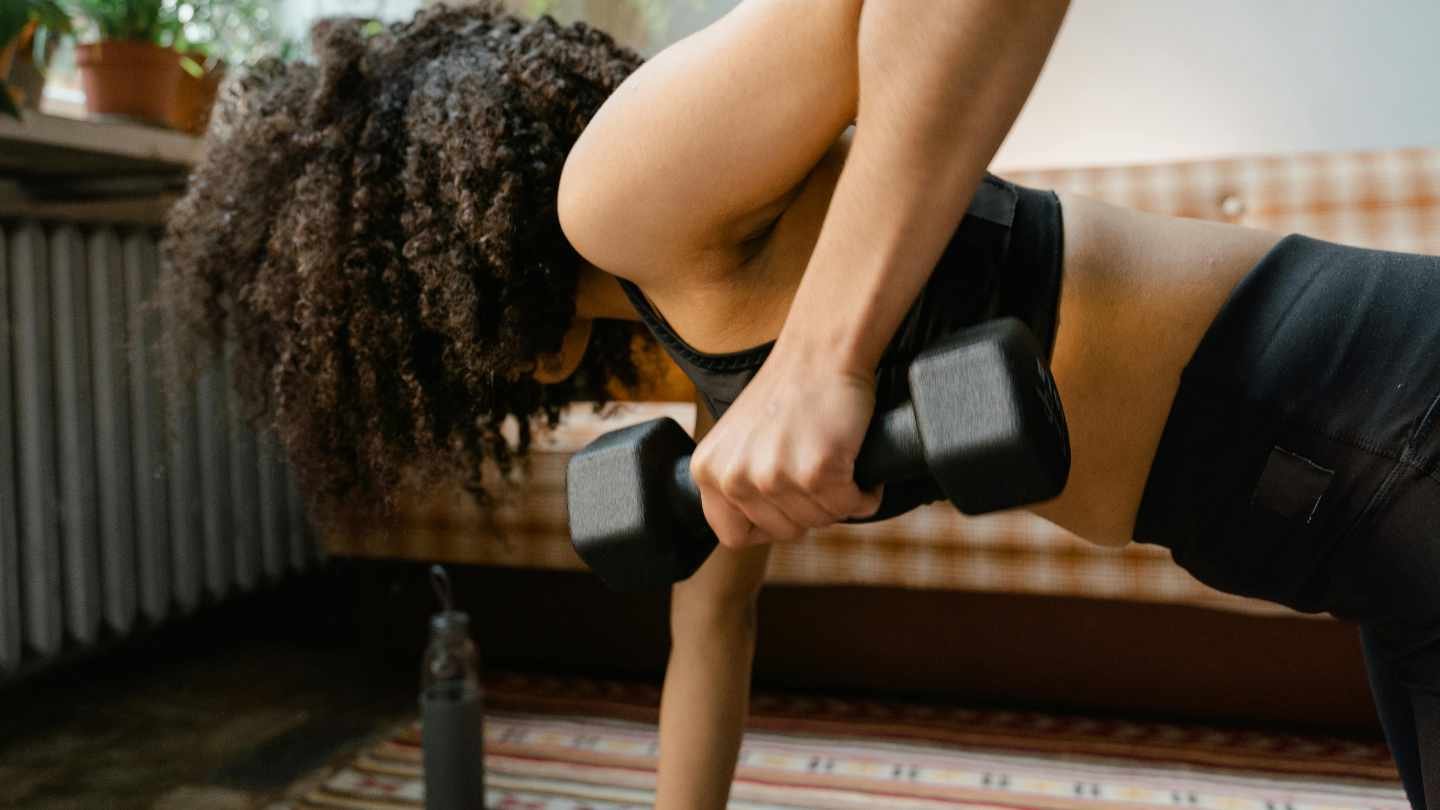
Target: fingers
{"x":771,"y":520}
{"x":732,"y":528}
{"x":805,"y":503}
{"x":734,"y":507}
{"x":776,"y":465}
{"x":869,"y":502}
{"x":748,"y":500}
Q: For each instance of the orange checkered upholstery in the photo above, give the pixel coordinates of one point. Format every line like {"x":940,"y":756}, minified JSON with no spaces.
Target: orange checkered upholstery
{"x":1387,"y":199}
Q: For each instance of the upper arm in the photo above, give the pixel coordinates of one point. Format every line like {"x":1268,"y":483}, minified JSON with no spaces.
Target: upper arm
{"x":704,"y":144}
{"x":729,"y":581}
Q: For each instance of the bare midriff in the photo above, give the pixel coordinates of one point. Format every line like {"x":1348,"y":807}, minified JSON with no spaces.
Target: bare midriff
{"x":1138,"y":292}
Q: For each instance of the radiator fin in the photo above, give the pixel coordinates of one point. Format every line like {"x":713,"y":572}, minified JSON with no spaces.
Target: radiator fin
{"x":75,"y":433}
{"x":35,"y":439}
{"x":124,"y":501}
{"x":10,"y":636}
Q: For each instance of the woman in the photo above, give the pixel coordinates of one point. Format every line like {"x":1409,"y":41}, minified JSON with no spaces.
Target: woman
{"x":388,"y":236}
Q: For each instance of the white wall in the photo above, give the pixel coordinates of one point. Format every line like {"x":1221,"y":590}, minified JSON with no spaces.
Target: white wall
{"x":1133,"y":81}
{"x":1153,"y":80}
{"x":298,"y":14}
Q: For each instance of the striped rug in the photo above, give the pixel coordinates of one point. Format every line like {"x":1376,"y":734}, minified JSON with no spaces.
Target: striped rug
{"x":571,"y":744}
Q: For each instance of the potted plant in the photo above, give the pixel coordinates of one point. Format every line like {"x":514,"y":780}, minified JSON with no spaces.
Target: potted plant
{"x":132,"y":69}
{"x":29,"y":30}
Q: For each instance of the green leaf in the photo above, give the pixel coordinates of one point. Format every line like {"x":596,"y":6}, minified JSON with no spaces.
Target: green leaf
{"x":144,"y":20}
{"x":51,"y":16}
{"x":7,"y":104}
{"x":13,"y":17}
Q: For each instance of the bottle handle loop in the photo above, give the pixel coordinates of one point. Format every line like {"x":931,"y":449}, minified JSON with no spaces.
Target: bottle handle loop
{"x":440,"y":581}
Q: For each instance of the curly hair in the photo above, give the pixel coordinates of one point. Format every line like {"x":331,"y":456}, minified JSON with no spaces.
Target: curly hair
{"x":375,"y":237}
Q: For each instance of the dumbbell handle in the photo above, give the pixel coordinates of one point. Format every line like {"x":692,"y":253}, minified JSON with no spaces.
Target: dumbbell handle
{"x":891,"y":452}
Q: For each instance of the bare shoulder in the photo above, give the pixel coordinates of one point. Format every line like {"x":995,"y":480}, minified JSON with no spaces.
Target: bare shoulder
{"x":705,"y":140}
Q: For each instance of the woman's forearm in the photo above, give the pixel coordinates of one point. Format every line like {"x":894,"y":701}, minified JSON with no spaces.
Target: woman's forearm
{"x":702,"y":713}
{"x":940,"y":86}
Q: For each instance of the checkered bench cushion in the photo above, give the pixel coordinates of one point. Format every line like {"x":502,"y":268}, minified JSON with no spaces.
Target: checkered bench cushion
{"x":1387,"y":199}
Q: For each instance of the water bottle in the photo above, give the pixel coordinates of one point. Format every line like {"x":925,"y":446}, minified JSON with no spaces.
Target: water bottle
{"x":452,"y":725}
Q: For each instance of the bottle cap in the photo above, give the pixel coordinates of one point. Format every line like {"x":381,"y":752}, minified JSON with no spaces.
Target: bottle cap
{"x":448,"y":620}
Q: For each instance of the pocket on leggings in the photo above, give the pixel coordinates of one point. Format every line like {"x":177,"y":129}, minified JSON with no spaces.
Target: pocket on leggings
{"x":1268,"y":540}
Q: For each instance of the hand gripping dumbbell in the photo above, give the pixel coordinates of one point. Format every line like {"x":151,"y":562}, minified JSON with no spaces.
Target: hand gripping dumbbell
{"x":984,"y":421}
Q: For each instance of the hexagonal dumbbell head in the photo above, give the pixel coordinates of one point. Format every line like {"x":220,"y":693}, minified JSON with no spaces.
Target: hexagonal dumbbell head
{"x":632,"y":507}
{"x":990,"y":418}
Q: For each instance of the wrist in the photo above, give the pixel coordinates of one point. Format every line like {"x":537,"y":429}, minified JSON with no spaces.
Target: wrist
{"x":828,"y":348}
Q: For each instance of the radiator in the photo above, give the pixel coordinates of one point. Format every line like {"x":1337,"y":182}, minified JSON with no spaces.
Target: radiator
{"x":120,"y":507}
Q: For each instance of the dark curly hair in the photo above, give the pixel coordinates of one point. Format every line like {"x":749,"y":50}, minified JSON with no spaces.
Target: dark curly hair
{"x":376,"y":236}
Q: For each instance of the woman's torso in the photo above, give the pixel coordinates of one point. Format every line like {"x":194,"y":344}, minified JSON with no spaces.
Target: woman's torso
{"x":1002,"y":260}
{"x":1138,"y":291}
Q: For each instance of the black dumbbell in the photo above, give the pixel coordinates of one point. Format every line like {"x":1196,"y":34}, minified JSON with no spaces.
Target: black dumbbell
{"x":984,"y":421}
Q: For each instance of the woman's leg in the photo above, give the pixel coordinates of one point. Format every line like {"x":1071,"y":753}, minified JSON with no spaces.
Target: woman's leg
{"x":1401,"y":716}
{"x":1300,"y":463}
{"x":1389,"y":571}
{"x":1427,"y":721}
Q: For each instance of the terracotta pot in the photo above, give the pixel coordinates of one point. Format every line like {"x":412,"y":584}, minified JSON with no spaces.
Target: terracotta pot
{"x":9,"y":49}
{"x":128,"y":78}
{"x":190,"y":107}
{"x":7,"y":52}
{"x":27,"y":79}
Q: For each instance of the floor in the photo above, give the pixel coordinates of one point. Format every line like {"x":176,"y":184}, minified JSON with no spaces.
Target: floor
{"x":222,"y":711}
{"x":227,"y":709}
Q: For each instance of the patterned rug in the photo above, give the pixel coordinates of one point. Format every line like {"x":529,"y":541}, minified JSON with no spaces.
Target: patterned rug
{"x":571,"y":744}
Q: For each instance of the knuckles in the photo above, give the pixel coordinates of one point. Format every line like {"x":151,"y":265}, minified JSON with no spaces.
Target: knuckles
{"x":767,"y":475}
{"x":734,"y":484}
{"x":770,"y":481}
{"x":813,"y":477}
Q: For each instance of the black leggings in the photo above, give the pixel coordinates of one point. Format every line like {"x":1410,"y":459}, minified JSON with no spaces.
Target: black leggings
{"x":1300,"y":463}
{"x":1410,"y":713}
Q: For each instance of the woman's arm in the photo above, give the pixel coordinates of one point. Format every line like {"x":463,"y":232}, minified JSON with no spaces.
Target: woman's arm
{"x":702,"y":146}
{"x":939,"y":86}
{"x":707,"y":681}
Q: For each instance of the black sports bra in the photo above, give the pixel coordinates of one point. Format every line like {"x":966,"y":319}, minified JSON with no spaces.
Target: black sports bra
{"x":1004,"y":259}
